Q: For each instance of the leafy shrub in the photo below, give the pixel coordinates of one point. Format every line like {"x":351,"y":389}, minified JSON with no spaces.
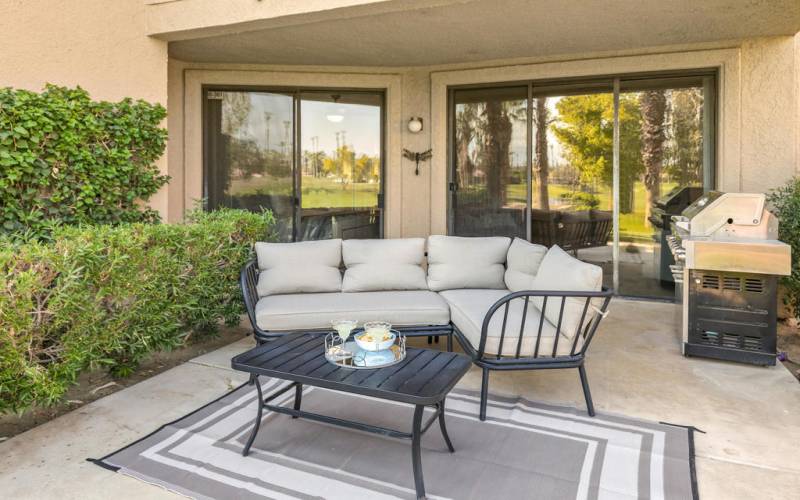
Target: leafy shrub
{"x":67,"y":159}
{"x":105,"y":296}
{"x":582,"y":201}
{"x":785,"y":204}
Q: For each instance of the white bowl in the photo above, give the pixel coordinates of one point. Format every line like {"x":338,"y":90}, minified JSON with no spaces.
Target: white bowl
{"x":375,"y":346}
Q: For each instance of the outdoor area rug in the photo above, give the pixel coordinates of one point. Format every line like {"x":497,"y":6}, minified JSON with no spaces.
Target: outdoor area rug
{"x":524,"y":449}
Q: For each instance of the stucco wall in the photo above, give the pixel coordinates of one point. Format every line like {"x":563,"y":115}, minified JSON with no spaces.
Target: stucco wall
{"x":97,"y":44}
{"x":769,"y":118}
{"x":758,"y":142}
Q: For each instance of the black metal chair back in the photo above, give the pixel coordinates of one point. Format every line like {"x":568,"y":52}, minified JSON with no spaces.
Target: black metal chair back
{"x":541,"y":357}
{"x":248,"y":281}
{"x":591,"y":314}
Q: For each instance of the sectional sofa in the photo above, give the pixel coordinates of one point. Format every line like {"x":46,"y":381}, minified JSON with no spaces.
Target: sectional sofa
{"x":511,"y":305}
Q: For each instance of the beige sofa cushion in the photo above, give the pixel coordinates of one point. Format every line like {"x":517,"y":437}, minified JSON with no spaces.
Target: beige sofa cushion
{"x":455,"y":262}
{"x":305,"y":266}
{"x":522,"y":264}
{"x":316,"y":310}
{"x":394,"y":264}
{"x":561,"y":271}
{"x":469,"y":307}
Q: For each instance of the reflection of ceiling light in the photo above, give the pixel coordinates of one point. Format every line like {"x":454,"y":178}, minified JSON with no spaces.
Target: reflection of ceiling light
{"x":338,"y":116}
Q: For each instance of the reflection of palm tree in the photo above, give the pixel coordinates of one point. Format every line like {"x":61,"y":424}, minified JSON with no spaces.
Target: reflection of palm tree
{"x":496,"y":145}
{"x":286,"y":138}
{"x":267,"y":119}
{"x":653,"y":105}
{"x":541,"y":164}
{"x":465,"y":133}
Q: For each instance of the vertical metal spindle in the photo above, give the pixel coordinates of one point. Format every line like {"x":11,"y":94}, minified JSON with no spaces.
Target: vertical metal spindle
{"x":580,"y":327}
{"x":503,"y":332}
{"x":558,"y":326}
{"x":539,"y":332}
{"x":522,"y":325}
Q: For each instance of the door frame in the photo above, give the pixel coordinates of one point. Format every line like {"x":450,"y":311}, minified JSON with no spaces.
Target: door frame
{"x":616,"y":84}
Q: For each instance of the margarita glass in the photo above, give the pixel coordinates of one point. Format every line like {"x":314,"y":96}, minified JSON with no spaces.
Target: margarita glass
{"x":344,"y":327}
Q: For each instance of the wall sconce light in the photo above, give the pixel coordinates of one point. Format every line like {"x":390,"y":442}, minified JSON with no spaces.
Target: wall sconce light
{"x":415,"y":125}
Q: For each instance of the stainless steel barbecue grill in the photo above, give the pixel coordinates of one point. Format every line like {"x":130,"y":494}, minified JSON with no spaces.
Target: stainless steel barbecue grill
{"x":727,"y":262}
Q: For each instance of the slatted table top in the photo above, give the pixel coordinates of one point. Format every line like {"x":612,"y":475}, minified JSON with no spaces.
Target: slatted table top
{"x":423,"y":378}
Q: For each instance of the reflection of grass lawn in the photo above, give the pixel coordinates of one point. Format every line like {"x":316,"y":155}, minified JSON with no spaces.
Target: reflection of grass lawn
{"x":316,"y":192}
{"x":328,"y":193}
{"x":633,"y":226}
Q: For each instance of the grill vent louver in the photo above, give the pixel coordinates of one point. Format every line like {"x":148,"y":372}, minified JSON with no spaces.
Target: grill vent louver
{"x":731,"y":283}
{"x":710,"y":281}
{"x":754,"y":285}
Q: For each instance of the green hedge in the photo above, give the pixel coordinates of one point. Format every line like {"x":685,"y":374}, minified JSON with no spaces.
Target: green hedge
{"x":67,"y":159}
{"x":105,"y":296}
{"x":785,"y":204}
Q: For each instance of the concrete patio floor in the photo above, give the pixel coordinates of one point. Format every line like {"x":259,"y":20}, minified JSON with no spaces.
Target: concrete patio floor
{"x":750,"y":415}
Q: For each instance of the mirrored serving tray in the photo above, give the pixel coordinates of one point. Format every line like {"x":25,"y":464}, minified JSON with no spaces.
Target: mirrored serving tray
{"x":349,"y":355}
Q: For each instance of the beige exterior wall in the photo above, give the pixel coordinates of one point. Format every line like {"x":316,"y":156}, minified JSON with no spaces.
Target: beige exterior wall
{"x":97,"y":44}
{"x":758,"y":131}
{"x":102,"y":46}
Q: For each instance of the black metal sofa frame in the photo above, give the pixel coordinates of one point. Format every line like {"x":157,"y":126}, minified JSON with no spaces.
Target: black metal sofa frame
{"x":591,"y":316}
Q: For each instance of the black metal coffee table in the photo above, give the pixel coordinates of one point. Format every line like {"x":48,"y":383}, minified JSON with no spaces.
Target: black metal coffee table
{"x":423,"y":379}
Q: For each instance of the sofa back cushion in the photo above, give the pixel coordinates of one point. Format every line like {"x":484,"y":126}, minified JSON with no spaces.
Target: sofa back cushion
{"x":305,"y":266}
{"x":524,"y":259}
{"x":374,"y":265}
{"x":560,"y":271}
{"x":455,"y":262}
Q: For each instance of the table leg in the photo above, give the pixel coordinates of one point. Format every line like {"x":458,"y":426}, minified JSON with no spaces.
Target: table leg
{"x":416,"y":452}
{"x":257,"y":423}
{"x":298,"y":397}
{"x":444,"y":429}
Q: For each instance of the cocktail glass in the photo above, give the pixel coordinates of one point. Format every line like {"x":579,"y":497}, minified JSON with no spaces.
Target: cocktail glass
{"x":344,"y":327}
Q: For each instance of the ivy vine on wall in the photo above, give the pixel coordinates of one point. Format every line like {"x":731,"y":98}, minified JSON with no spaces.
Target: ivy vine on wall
{"x":66,"y":159}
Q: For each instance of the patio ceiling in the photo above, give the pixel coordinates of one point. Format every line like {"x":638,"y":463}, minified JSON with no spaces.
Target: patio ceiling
{"x":417,"y":34}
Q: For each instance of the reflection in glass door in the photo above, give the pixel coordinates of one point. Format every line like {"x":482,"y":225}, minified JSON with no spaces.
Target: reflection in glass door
{"x":340,"y":165}
{"x":328,"y":187}
{"x":572,"y":172}
{"x":665,"y":150}
{"x":489,"y":188}
{"x":537,"y":160}
{"x":249,"y":145}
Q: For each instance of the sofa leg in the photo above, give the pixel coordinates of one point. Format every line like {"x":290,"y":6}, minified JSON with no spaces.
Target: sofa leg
{"x":484,"y":393}
{"x":586,"y":392}
{"x":450,"y":342}
{"x":430,"y":339}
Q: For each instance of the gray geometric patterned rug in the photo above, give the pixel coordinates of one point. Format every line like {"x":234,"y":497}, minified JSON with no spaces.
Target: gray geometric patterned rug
{"x":524,"y":450}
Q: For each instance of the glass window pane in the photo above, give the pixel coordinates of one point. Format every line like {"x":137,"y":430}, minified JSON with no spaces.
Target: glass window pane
{"x":340,"y":171}
{"x":250,"y":144}
{"x":661,"y":152}
{"x":572,"y":174}
{"x":490,"y":162}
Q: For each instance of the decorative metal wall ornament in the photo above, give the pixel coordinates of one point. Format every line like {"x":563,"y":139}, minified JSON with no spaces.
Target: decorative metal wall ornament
{"x":417,"y":157}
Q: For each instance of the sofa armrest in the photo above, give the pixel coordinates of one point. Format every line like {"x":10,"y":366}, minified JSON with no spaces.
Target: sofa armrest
{"x":586,"y":302}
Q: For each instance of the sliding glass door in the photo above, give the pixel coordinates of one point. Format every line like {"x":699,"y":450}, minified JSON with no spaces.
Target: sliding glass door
{"x":340,"y":165}
{"x":248,"y":153}
{"x":314,"y":158}
{"x":536,"y":160}
{"x":572,"y":128}
{"x":663,"y":150}
{"x":489,"y":160}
